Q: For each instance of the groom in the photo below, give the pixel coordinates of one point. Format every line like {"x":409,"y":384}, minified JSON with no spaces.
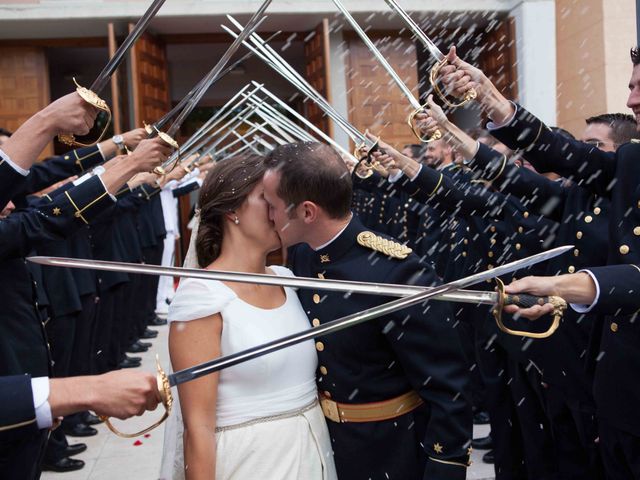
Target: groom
{"x":394,"y":389}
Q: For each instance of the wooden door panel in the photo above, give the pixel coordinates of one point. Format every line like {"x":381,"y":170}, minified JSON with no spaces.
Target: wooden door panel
{"x":317,"y":73}
{"x":24,"y":86}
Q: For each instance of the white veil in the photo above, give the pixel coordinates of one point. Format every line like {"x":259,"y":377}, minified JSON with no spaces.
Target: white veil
{"x":172,"y":464}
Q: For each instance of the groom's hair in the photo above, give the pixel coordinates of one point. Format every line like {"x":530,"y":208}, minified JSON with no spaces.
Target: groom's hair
{"x":314,"y":172}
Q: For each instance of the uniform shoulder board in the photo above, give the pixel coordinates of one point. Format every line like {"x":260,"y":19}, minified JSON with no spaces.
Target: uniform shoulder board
{"x":383,"y":245}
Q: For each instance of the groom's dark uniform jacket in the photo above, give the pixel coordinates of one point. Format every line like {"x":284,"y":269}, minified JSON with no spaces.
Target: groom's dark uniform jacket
{"x":394,"y":389}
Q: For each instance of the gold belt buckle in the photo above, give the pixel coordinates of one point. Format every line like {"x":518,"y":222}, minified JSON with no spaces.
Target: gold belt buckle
{"x":330,"y":409}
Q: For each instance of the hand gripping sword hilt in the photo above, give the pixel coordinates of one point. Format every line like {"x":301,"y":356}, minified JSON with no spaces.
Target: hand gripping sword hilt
{"x":365,"y":167}
{"x":164,"y":390}
{"x":525,"y":301}
{"x":153,"y":130}
{"x":437,"y":135}
{"x":433,"y":79}
{"x":93,"y":99}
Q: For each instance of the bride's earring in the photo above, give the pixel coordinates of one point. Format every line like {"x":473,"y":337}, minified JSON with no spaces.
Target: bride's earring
{"x":236,"y":220}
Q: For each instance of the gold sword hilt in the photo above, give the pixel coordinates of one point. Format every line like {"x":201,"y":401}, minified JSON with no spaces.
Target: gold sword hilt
{"x":365,"y":167}
{"x":166,"y":397}
{"x":169,"y":140}
{"x":93,"y":99}
{"x":526,"y":301}
{"x":437,"y":135}
{"x":433,"y":79}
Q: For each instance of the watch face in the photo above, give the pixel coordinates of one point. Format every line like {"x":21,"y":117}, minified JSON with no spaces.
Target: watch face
{"x":118,"y":139}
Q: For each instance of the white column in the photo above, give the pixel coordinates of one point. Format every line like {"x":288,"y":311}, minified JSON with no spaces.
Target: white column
{"x":338,"y":58}
{"x":536,"y":57}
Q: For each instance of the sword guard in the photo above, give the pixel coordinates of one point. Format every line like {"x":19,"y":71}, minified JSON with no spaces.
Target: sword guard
{"x":93,"y":99}
{"x":526,"y":301}
{"x":365,"y":167}
{"x":151,"y":129}
{"x":164,"y":390}
{"x":437,"y":135}
{"x":433,"y":79}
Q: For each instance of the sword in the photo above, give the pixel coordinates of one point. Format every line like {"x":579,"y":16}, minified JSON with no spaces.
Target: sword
{"x":253,"y":23}
{"x":91,"y":95}
{"x":477,"y":297}
{"x":275,"y":61}
{"x":165,"y":382}
{"x":415,"y":103}
{"x":435,"y":51}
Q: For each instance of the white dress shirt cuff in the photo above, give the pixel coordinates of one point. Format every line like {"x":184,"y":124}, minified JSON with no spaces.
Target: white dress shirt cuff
{"x":394,"y":177}
{"x":587,"y":308}
{"x":18,"y":169}
{"x":101,"y":152}
{"x":494,"y":126}
{"x":40,"y":389}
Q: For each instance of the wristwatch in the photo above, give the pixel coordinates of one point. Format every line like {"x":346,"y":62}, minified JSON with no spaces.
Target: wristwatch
{"x":119,"y":141}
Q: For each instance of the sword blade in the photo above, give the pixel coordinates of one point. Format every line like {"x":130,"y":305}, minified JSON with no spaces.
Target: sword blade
{"x":376,"y":53}
{"x":416,"y":30}
{"x":349,"y":321}
{"x":253,"y":23}
{"x":103,"y":78}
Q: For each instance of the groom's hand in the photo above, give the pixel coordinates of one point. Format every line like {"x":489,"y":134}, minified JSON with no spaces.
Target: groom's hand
{"x":122,"y":394}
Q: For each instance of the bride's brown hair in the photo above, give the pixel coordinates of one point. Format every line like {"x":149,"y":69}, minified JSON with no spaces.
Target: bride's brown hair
{"x":224,"y":190}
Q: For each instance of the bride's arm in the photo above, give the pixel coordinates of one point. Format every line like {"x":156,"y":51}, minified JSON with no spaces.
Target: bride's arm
{"x":191,"y":343}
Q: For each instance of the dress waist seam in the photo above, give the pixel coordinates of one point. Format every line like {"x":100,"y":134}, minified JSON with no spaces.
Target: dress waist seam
{"x":270,"y":418}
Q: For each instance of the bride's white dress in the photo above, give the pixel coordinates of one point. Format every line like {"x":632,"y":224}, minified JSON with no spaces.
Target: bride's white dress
{"x":269,"y":423}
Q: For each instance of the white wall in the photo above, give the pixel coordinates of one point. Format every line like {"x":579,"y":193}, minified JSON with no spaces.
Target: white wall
{"x":536,"y":57}
{"x":339,"y":100}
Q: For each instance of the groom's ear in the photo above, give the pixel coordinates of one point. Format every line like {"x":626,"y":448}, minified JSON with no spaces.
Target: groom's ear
{"x":310,"y":211}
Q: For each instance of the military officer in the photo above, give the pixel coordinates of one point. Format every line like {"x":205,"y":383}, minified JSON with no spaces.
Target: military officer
{"x":394,"y":390}
{"x":612,"y":175}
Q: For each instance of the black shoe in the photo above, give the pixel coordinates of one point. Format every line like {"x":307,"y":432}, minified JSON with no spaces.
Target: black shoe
{"x":65,"y":464}
{"x":75,"y":449}
{"x":148,"y":333}
{"x":481,"y":418}
{"x":136,"y":348}
{"x":145,"y":344}
{"x":157,"y":321}
{"x":91,"y":419}
{"x":129,"y":363}
{"x":488,"y":457}
{"x":80,"y":430}
{"x":133,"y":359}
{"x":483,"y":443}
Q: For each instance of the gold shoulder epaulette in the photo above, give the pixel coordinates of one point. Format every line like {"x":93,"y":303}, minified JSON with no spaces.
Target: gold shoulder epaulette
{"x":382,"y":245}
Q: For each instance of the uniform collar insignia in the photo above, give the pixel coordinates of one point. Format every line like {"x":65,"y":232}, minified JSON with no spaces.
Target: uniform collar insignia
{"x":340,"y":245}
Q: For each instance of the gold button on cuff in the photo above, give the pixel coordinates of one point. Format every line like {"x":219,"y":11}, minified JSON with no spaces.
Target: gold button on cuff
{"x":319,"y":346}
{"x":579,"y":235}
{"x":316,"y":298}
{"x":614,"y":327}
{"x":624,"y":249}
{"x":588,"y":219}
{"x":315,"y":322}
{"x":636,"y":231}
{"x":571,"y":269}
{"x":323,"y":370}
{"x":597,"y":210}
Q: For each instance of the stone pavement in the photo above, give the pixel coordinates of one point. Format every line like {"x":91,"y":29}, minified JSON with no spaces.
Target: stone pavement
{"x":109,"y":457}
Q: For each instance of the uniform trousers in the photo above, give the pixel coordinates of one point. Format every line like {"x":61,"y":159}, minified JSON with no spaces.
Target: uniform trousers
{"x":620,"y":452}
{"x":21,"y":457}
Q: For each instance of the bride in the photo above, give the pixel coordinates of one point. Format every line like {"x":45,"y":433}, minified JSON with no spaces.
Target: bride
{"x":259,"y":419}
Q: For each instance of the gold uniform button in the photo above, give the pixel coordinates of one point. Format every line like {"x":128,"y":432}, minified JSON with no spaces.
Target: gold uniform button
{"x":588,"y":219}
{"x":614,"y":327}
{"x":465,"y":241}
{"x":493,"y":241}
{"x":636,"y":231}
{"x":490,"y":254}
{"x":571,"y":269}
{"x":464,"y":254}
{"x":518,"y":246}
{"x":315,"y":322}
{"x":316,"y":298}
{"x":520,"y":230}
{"x":597,"y":210}
{"x":576,"y":253}
{"x":525,"y":214}
{"x":579,"y":235}
{"x":319,"y":346}
{"x":323,"y":370}
{"x":624,"y":249}
{"x":493,"y":229}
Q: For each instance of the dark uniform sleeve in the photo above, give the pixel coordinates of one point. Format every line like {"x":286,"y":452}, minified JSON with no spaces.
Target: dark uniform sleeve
{"x":427,"y":344}
{"x":23,"y":231}
{"x":538,"y":193}
{"x":11,"y":182}
{"x":185,"y":189}
{"x":550,"y":152}
{"x":43,"y":174}
{"x":17,"y":415}
{"x":619,"y":289}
